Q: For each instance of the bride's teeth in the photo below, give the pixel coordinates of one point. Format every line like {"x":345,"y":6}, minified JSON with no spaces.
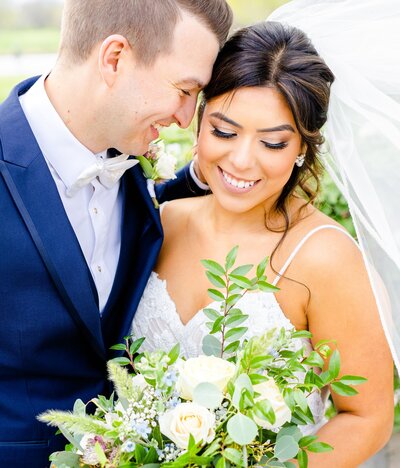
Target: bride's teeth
{"x":157,"y":126}
{"x":237,"y":183}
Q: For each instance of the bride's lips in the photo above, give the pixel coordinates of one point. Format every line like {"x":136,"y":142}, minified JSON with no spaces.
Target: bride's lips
{"x":250,"y":184}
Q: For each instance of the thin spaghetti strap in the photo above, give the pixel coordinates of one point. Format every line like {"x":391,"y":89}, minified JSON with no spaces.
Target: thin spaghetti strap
{"x":300,"y":245}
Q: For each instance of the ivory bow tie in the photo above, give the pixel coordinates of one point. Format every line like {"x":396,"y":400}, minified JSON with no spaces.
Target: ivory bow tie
{"x":109,"y":171}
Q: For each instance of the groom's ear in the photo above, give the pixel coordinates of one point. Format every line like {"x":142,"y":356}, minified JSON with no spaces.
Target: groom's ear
{"x":113,"y":57}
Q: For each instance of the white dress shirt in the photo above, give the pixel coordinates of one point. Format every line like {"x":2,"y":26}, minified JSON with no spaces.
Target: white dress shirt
{"x":94,"y":211}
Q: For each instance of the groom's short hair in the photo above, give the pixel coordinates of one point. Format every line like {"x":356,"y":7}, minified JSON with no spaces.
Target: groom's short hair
{"x":148,"y":25}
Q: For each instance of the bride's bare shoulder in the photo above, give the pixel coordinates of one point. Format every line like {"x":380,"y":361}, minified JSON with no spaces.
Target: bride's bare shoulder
{"x":176,"y":212}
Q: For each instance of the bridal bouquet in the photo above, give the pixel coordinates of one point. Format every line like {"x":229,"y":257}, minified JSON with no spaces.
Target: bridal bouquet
{"x":243,"y":403}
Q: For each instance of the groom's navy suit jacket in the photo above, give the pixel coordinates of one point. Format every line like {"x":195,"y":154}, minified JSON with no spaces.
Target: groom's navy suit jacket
{"x":54,"y":344}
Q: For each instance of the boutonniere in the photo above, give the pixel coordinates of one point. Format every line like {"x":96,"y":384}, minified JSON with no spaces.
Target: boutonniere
{"x":157,"y":165}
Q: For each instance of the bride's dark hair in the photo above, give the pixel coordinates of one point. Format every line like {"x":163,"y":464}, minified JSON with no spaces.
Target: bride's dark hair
{"x":274,"y":55}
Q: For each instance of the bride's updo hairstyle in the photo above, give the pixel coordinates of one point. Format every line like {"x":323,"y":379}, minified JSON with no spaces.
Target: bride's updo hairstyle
{"x":274,"y":55}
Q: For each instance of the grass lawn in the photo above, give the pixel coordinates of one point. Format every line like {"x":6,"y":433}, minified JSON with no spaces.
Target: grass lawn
{"x":7,"y":83}
{"x":29,"y":41}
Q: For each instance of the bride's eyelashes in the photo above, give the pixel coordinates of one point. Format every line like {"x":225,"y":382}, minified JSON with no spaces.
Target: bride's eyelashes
{"x":227,"y":135}
{"x":220,"y":134}
{"x":185,"y":92}
{"x":274,"y":146}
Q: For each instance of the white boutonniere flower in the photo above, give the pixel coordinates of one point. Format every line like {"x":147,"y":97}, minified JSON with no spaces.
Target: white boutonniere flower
{"x":157,"y":165}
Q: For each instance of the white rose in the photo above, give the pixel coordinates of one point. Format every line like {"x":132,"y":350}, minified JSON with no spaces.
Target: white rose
{"x":209,"y":369}
{"x":139,"y":382}
{"x":185,"y":419}
{"x":269,"y":391}
{"x":165,"y":166}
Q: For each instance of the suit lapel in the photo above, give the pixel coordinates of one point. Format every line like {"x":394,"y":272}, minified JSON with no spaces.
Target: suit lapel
{"x":140,"y":244}
{"x":36,"y":197}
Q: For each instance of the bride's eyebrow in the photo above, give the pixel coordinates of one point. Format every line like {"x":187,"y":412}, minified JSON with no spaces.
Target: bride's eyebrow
{"x":226,"y":119}
{"x":278,"y":128}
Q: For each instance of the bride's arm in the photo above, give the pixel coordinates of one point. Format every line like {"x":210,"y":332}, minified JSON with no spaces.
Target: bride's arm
{"x":342,"y":308}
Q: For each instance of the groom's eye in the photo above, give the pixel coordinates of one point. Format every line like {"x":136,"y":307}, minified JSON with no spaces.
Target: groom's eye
{"x":220,"y":134}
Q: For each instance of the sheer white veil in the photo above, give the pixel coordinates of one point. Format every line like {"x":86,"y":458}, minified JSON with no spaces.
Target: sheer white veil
{"x":360,"y":41}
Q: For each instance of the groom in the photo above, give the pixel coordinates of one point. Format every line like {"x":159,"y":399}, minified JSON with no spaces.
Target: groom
{"x":76,"y":256}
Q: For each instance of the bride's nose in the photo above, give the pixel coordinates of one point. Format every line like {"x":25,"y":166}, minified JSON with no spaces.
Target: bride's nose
{"x":242,"y":156}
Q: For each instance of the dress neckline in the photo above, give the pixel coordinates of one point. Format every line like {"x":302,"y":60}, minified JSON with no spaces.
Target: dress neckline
{"x":188,"y":324}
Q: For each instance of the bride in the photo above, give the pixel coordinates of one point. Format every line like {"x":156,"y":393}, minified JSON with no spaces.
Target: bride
{"x":257,"y":148}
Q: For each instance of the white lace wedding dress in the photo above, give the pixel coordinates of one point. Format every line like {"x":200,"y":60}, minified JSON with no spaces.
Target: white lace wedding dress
{"x":158,"y":321}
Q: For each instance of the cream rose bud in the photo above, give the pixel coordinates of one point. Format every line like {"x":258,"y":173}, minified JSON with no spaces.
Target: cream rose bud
{"x":165,"y":166}
{"x":185,"y":419}
{"x":269,"y":391}
{"x":209,"y":369}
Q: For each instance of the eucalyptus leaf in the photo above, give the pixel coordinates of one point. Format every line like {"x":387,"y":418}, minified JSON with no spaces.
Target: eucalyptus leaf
{"x":242,"y":429}
{"x":208,"y":395}
{"x":261,"y":267}
{"x":352,"y":379}
{"x":235,"y":333}
{"x":135,"y":346}
{"x":174,"y":354}
{"x":100,"y":453}
{"x":264,"y":410}
{"x":301,"y":399}
{"x":232,"y":347}
{"x":217,"y":326}
{"x":235,"y":320}
{"x":302,"y":334}
{"x":119,"y":347}
{"x":212,"y":314}
{"x":65,"y":459}
{"x":231,"y":258}
{"x":242,"y":382}
{"x":216,"y":295}
{"x":79,"y":407}
{"x":215,"y":280}
{"x":241,"y":281}
{"x":286,"y":448}
{"x":319,"y":447}
{"x":257,"y":378}
{"x":242,"y":270}
{"x":342,"y":389}
{"x":211,"y":346}
{"x":122,"y":361}
{"x":213,"y":267}
{"x":266,"y":287}
{"x":233,"y":455}
{"x":334,"y":364}
{"x":292,"y":431}
{"x":314,"y":359}
{"x":306,"y":440}
{"x":302,"y":458}
{"x":232,"y":300}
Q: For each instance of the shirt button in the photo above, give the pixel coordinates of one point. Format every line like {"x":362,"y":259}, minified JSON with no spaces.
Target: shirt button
{"x":99,"y":268}
{"x":95,"y":211}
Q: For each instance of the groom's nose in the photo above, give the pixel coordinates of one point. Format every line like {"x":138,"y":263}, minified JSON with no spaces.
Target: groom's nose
{"x":184,"y":115}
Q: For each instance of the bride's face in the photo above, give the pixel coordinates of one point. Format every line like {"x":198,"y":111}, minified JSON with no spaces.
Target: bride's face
{"x":247,"y":147}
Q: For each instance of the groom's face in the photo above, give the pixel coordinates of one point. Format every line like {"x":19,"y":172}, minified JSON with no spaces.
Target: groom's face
{"x":151,"y":97}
